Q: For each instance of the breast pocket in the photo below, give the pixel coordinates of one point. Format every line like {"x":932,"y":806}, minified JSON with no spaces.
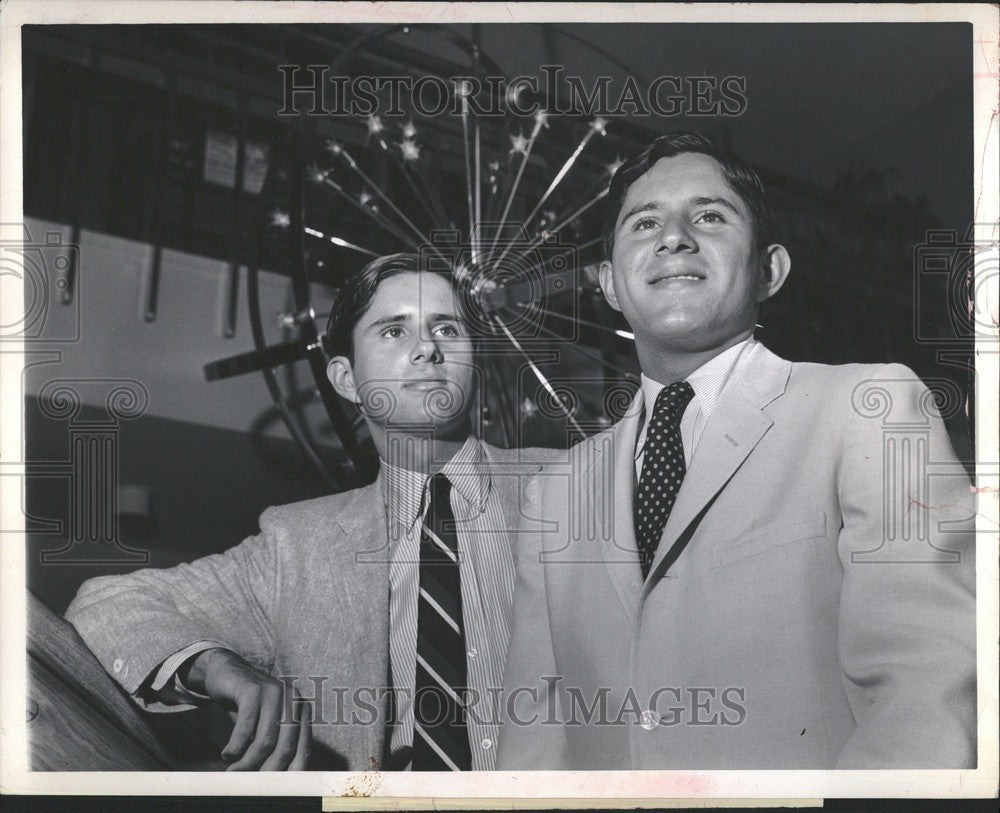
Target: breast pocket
{"x":773,"y":535}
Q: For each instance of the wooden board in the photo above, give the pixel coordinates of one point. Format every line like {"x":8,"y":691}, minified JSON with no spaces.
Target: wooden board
{"x":79,"y":719}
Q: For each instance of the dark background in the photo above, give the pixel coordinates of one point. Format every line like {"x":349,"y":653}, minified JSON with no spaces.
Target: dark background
{"x":862,"y":133}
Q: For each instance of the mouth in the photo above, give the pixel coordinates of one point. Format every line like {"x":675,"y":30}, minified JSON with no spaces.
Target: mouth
{"x":424,"y":384}
{"x":677,"y":276}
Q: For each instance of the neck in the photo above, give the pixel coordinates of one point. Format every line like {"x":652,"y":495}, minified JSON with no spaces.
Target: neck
{"x":423,"y":451}
{"x":669,"y":364}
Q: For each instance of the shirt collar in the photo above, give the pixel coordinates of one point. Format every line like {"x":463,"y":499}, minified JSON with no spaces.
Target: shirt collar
{"x":707,"y":381}
{"x":403,"y":489}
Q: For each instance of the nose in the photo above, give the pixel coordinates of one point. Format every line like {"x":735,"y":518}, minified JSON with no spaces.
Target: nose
{"x":675,"y":236}
{"x":426,"y":350}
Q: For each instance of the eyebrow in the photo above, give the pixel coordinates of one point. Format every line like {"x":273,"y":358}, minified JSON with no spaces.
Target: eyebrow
{"x":406,"y":317}
{"x":654,"y":206}
{"x":717,"y":202}
{"x":390,"y":320}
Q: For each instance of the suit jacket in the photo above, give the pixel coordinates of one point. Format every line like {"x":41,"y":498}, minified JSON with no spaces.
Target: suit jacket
{"x":810,"y":604}
{"x":306,"y":598}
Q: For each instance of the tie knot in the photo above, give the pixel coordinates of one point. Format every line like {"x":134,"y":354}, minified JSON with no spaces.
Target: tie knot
{"x":673,"y":400}
{"x":438,"y":514}
{"x":440,"y":493}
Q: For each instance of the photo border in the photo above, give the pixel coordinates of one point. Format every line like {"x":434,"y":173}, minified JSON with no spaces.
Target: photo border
{"x":535,"y":789}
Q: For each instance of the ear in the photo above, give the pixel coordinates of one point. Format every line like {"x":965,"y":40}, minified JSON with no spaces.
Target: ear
{"x":607,"y":280}
{"x":776,"y":265}
{"x":341,"y":375}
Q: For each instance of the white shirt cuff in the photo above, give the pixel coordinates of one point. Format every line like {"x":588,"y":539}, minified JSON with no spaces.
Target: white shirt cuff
{"x":167,"y":684}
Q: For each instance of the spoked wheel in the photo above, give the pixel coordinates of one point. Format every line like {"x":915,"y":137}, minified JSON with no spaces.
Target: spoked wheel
{"x":510,"y":204}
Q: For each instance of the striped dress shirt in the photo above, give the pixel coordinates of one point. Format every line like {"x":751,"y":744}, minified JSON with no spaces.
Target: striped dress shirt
{"x":486,"y":571}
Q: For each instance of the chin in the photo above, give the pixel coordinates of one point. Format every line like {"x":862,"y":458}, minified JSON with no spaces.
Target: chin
{"x":702,"y":341}
{"x":675,"y":327}
{"x":443,"y":424}
{"x":676,"y":339}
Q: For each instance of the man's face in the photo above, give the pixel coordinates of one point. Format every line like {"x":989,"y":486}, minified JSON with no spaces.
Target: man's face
{"x":412,"y":357}
{"x":684,"y":270}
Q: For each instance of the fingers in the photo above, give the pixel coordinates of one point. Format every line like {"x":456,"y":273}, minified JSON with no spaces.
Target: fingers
{"x":247,"y":719}
{"x":260,"y":739}
{"x":302,"y":750}
{"x":267,"y":736}
{"x":289,"y":737}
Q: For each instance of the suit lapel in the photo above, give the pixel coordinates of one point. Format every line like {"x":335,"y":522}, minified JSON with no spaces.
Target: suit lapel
{"x":621,"y":557}
{"x":730,"y":435}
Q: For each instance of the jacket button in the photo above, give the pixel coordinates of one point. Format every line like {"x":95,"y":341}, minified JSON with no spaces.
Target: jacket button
{"x":649,"y":720}
{"x":117,"y":665}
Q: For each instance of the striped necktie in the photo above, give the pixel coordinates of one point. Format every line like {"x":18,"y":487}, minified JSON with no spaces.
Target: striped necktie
{"x":440,"y":736}
{"x":662,"y":469}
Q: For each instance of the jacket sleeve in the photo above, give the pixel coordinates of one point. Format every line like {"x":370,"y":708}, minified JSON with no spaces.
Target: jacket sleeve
{"x":907,"y":611}
{"x":133,"y":623}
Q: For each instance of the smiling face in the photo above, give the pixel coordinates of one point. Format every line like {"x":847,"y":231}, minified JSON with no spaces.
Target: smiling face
{"x":412,"y":363}
{"x":684,"y":269}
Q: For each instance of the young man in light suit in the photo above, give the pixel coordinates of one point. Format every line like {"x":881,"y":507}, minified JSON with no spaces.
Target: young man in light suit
{"x":333,"y":594}
{"x":753,"y":569}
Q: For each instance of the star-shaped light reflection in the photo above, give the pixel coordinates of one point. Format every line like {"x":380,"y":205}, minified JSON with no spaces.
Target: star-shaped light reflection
{"x":410,"y":150}
{"x":519,"y":144}
{"x":614,"y":165}
{"x":599,"y":125}
{"x":409,"y":130}
{"x":315,"y":174}
{"x":279,"y":219}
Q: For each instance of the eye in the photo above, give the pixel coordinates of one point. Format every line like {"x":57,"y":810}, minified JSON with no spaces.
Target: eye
{"x":392,"y":332}
{"x":644,"y":223}
{"x":711,"y":216}
{"x":447,"y":330}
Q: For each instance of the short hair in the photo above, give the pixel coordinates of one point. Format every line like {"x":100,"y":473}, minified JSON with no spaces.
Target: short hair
{"x":740,"y":176}
{"x":357,"y":293}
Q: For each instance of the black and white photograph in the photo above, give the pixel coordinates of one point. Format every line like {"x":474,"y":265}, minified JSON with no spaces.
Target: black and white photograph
{"x":499,"y":401}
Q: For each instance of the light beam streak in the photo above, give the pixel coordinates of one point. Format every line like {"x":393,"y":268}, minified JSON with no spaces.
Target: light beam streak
{"x":539,"y":123}
{"x":538,"y":374}
{"x":468,"y":173}
{"x":547,"y":233}
{"x":338,"y":241}
{"x":378,"y":191}
{"x":582,"y":351}
{"x":384,"y":222}
{"x":596,"y":126}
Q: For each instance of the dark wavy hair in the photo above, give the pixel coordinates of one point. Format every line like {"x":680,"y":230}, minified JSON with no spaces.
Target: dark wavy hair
{"x":738,"y":174}
{"x":357,"y":293}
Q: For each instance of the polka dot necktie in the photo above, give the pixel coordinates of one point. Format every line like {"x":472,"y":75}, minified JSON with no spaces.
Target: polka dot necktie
{"x":662,"y":469}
